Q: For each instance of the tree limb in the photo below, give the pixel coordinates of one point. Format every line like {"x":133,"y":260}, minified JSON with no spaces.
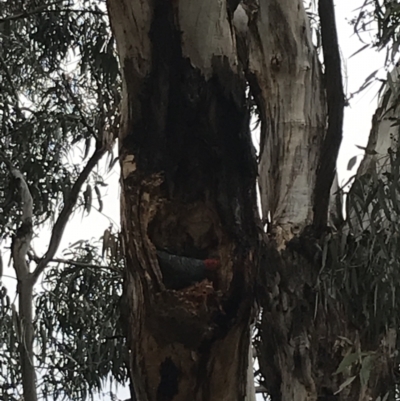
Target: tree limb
{"x":59,"y":226}
{"x":19,"y":251}
{"x":335,"y":98}
{"x":83,"y":264}
{"x":22,"y":240}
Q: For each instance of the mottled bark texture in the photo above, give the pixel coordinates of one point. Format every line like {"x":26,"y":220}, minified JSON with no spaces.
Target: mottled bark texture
{"x":286,"y":79}
{"x":188,"y":187}
{"x":305,"y":331}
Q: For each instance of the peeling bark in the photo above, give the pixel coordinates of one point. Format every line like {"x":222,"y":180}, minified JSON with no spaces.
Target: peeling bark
{"x":188,"y":186}
{"x":285,"y":77}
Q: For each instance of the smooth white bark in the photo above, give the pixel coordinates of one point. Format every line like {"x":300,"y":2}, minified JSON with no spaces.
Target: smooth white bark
{"x":285,"y":65}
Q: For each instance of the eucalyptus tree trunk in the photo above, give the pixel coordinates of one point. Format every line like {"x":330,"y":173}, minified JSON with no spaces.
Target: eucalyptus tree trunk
{"x":188,"y":188}
{"x":306,"y":332}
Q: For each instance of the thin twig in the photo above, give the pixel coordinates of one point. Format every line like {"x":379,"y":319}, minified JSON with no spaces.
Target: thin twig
{"x":83,"y":264}
{"x":7,"y":276}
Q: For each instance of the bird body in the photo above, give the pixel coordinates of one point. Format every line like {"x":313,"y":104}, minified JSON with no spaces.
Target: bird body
{"x":181,"y":271}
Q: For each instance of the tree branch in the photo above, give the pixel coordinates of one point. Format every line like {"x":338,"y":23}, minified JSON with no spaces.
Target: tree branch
{"x":19,"y":251}
{"x":22,"y":240}
{"x":83,"y":264}
{"x":335,"y":98}
{"x":26,"y":197}
{"x":59,"y":226}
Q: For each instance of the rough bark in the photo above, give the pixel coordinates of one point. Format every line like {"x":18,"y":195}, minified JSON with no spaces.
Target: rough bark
{"x":286,"y":79}
{"x":188,"y":186}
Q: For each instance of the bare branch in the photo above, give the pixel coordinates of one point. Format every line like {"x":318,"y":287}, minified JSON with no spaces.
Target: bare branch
{"x":70,"y":202}
{"x":336,"y":100}
{"x":26,"y":197}
{"x":7,"y":276}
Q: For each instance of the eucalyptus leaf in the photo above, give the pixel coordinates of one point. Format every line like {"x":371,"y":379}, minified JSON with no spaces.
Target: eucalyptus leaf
{"x":346,"y":383}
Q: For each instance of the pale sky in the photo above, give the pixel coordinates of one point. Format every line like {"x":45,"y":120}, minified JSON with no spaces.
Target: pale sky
{"x":356,"y":129}
{"x":358,"y":115}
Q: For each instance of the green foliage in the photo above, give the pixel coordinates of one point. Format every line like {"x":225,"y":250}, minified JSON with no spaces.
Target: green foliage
{"x":382,"y":16}
{"x":79,"y":337}
{"x":80,"y":344}
{"x":362,"y":260}
{"x":356,"y":364}
{"x":58,"y":96}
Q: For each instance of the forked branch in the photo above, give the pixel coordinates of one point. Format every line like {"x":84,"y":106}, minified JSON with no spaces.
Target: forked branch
{"x":65,"y":214}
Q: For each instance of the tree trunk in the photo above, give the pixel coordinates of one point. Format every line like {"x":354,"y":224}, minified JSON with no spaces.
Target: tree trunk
{"x":188,"y":189}
{"x":285,"y":76}
{"x":26,"y":337}
{"x":305,"y":330}
{"x":24,"y":317}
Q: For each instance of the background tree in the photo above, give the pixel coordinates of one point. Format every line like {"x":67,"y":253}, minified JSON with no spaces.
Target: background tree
{"x":58,"y":113}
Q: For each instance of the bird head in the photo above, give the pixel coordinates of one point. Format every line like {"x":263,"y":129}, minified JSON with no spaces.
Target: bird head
{"x":212,"y":264}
